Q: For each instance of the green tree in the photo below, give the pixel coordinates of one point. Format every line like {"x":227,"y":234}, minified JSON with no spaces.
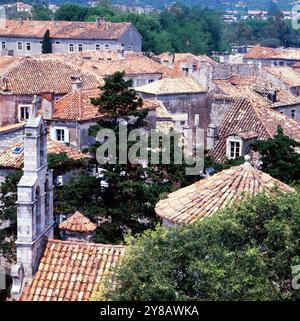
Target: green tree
{"x":278,"y":156}
{"x":46,"y":43}
{"x":245,"y":252}
{"x":118,"y":98}
{"x":133,"y":190}
{"x":40,"y":12}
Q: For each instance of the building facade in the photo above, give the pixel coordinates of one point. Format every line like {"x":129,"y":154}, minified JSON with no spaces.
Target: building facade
{"x":24,"y":38}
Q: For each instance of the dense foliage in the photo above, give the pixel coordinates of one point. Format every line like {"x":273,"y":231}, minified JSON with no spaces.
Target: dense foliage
{"x":245,"y":252}
{"x":129,"y":199}
{"x":278,"y":156}
{"x":180,"y":29}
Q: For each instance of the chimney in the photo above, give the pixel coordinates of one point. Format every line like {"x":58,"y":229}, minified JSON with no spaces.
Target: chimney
{"x":98,"y":21}
{"x":47,"y":108}
{"x":212,"y":136}
{"x":76,"y":83}
{"x":35,"y":106}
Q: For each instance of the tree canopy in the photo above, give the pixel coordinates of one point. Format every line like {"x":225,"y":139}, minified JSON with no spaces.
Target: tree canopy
{"x":278,"y":156}
{"x":245,"y":252}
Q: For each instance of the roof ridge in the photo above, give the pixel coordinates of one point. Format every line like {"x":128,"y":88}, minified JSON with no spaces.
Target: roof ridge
{"x":53,"y":241}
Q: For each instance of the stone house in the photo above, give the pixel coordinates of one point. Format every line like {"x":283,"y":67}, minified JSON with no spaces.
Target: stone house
{"x":24,"y":37}
{"x":45,"y":78}
{"x":260,"y":90}
{"x":187,"y":64}
{"x":284,"y":77}
{"x":270,"y":57}
{"x":72,"y":115}
{"x":136,"y":66}
{"x":184,"y":98}
{"x":256,"y":120}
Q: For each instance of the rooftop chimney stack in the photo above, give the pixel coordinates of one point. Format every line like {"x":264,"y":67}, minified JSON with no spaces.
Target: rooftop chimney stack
{"x":35,"y":106}
{"x":98,"y":21}
{"x":76,"y":83}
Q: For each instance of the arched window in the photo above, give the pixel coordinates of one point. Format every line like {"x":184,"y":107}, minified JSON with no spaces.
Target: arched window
{"x":47,"y":203}
{"x":38,"y":210}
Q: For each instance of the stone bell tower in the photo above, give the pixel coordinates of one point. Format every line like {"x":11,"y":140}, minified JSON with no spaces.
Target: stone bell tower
{"x":35,"y":196}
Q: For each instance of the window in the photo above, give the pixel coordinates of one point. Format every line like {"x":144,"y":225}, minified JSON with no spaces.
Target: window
{"x":106,"y":47}
{"x":293,"y":113}
{"x":234,"y":149}
{"x":185,"y":71}
{"x":80,"y":47}
{"x":24,"y":112}
{"x":182,"y":123}
{"x":28,"y":46}
{"x":3,"y":45}
{"x":20,"y":46}
{"x":97,"y":47}
{"x":60,"y":135}
{"x":194,"y":67}
{"x":71,"y":47}
{"x":57,"y":42}
{"x":196,"y":120}
{"x":150,"y":81}
{"x":130,"y":48}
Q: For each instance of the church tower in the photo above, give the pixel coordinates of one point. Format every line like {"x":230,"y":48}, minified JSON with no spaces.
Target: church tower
{"x":35,"y":195}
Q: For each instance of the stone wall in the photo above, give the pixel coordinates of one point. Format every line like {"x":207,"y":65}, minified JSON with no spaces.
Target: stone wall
{"x":224,"y":71}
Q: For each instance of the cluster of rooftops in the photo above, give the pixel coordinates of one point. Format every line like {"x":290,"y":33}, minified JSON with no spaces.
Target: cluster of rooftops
{"x":73,"y":268}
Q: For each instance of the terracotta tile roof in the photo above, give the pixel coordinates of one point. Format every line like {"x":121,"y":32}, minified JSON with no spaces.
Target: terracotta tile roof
{"x":208,"y":195}
{"x":8,"y":159}
{"x":64,"y":29}
{"x":78,"y":223}
{"x":253,"y":88}
{"x":72,"y":271}
{"x":259,"y":52}
{"x":167,"y":86}
{"x":244,"y":116}
{"x":77,"y":106}
{"x":186,"y":57}
{"x":151,"y":104}
{"x":131,"y":64}
{"x":286,"y":74}
{"x":31,"y":76}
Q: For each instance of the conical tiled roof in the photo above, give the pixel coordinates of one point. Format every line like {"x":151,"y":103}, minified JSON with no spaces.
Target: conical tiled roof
{"x":78,"y":223}
{"x":208,"y":195}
